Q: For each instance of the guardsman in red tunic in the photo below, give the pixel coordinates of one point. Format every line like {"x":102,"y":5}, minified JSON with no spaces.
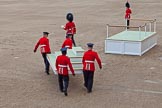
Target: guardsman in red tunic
{"x":127,"y":14}
{"x":70,"y":26}
{"x":68,"y":42}
{"x":44,"y":49}
{"x":88,"y":60}
{"x":62,"y":64}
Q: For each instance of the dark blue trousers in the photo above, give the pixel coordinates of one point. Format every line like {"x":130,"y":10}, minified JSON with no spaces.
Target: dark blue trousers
{"x":88,"y":79}
{"x":63,"y":82}
{"x":44,"y":55}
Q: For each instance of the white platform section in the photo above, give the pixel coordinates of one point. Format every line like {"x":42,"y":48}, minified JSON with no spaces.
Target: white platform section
{"x":130,"y":43}
{"x":75,"y":54}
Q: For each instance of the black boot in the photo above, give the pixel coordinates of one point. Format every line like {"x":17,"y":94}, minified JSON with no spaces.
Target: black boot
{"x":47,"y":72}
{"x":65,"y":93}
{"x":89,"y":91}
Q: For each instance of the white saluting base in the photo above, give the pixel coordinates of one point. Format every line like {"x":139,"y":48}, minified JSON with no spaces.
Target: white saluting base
{"x":130,"y":42}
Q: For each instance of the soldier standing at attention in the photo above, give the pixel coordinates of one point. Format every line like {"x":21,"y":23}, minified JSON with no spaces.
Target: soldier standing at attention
{"x":127,"y":14}
{"x":45,"y":49}
{"x":89,"y":66}
{"x":62,"y":63}
{"x":70,"y":26}
{"x":68,"y":42}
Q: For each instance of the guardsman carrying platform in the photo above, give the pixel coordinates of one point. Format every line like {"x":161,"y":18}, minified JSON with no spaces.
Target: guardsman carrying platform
{"x":62,"y":63}
{"x":89,"y":66}
{"x":68,"y":42}
{"x":45,"y":49}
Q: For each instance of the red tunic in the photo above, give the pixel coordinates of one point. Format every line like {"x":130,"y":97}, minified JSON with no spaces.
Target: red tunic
{"x":44,"y":45}
{"x":88,"y":60}
{"x":70,"y":28}
{"x":67,"y":43}
{"x":62,"y":63}
{"x":127,"y":13}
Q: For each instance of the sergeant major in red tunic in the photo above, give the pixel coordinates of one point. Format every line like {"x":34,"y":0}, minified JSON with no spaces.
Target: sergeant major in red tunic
{"x":70,"y":26}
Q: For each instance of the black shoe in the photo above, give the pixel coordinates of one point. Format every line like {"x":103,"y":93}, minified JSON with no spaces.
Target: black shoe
{"x":85,"y":86}
{"x":47,"y":72}
{"x":89,"y":91}
{"x":65,"y":93}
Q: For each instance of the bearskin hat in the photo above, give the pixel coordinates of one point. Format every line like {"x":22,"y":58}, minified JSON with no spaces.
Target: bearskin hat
{"x":69,"y":17}
{"x":127,"y":4}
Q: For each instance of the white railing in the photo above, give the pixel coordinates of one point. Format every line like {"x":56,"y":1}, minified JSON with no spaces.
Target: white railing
{"x":148,"y":22}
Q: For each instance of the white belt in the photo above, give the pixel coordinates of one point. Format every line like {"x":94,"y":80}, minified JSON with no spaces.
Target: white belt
{"x":67,"y":46}
{"x":62,"y":66}
{"x":42,"y":45}
{"x":87,"y":61}
{"x":88,"y":66}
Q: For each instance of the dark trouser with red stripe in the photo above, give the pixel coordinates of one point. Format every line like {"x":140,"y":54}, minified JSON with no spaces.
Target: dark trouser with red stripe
{"x":44,"y":55}
{"x":63,"y":82}
{"x":88,"y":79}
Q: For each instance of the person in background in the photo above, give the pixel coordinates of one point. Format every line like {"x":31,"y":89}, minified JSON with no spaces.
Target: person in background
{"x":62,"y":63}
{"x":44,"y":49}
{"x":88,"y":60}
{"x":70,"y":26}
{"x":127,"y":14}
